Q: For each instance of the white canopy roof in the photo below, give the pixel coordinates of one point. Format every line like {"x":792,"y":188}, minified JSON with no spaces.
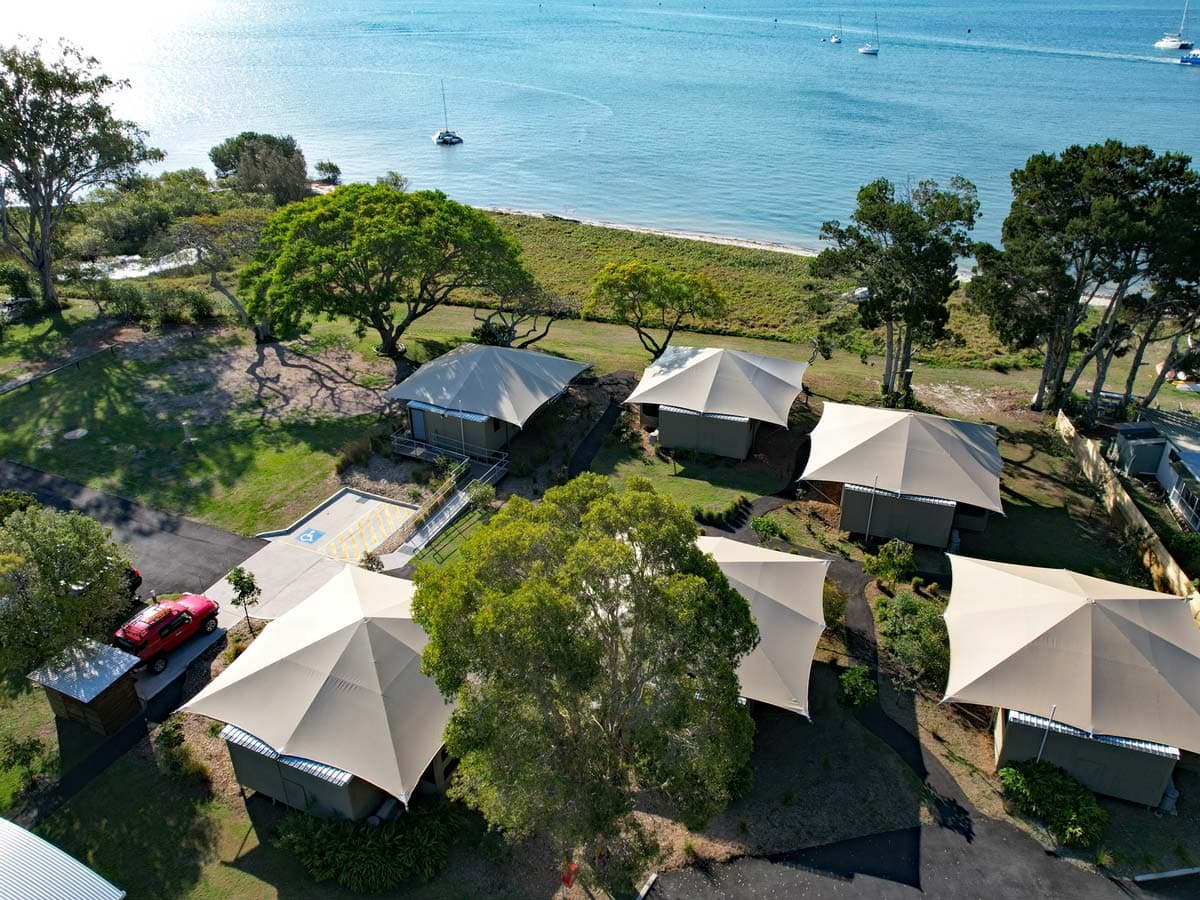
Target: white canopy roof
{"x":1114,"y":659}
{"x":338,"y":680}
{"x":506,"y":384}
{"x":723,"y":382}
{"x":908,"y":452}
{"x":785,"y":594}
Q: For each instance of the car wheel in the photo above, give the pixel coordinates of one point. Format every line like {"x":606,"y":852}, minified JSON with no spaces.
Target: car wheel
{"x":210,"y":625}
{"x":158,"y":665}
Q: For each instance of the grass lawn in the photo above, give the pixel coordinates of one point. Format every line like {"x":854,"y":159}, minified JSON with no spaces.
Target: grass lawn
{"x":238,"y":473}
{"x":24,"y":713}
{"x":43,"y":340}
{"x":445,"y":548}
{"x":710,"y":482}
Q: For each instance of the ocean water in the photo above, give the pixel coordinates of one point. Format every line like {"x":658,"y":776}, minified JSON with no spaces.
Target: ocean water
{"x":725,"y":116}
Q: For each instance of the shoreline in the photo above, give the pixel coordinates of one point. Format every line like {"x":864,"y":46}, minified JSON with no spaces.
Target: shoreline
{"x":702,"y":236}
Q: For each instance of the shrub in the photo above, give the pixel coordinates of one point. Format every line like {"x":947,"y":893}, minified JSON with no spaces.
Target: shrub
{"x":520,"y":468}
{"x":766,"y":527}
{"x":480,"y":496}
{"x":1045,"y":791}
{"x":14,"y":278}
{"x":833,"y":604}
{"x":893,"y":563}
{"x":371,"y":562}
{"x":165,"y":307}
{"x":857,"y":687}
{"x":120,"y":299}
{"x":1185,"y":548}
{"x":913,"y":631}
{"x":175,"y":754}
{"x":357,"y":452}
{"x":199,"y":305}
{"x":234,"y":648}
{"x":367,"y":859}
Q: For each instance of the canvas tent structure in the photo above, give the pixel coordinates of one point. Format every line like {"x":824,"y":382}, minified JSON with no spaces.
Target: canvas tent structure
{"x":34,"y":869}
{"x":92,"y":684}
{"x":712,"y":400}
{"x":335,"y":684}
{"x":907,"y":475}
{"x":1119,"y":664}
{"x":474,"y":399}
{"x":785,"y":593}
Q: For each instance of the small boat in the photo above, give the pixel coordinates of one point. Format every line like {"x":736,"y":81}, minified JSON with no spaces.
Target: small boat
{"x":1174,"y":40}
{"x":836,"y":37}
{"x":445,"y":136}
{"x":871,"y":49}
{"x":1192,"y":59}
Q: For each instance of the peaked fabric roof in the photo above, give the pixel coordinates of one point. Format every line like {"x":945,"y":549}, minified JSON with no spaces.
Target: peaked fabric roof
{"x":785,"y":594}
{"x":726,"y":382}
{"x":506,"y":384}
{"x":1114,"y":659}
{"x":908,"y":452}
{"x":34,"y":869}
{"x":337,"y":680}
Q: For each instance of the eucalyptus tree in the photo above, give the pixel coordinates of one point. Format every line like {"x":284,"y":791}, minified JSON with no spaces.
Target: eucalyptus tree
{"x":903,"y":245}
{"x":58,"y":139}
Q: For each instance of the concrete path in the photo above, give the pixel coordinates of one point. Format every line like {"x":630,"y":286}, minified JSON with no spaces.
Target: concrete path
{"x":285,"y":573}
{"x":174,"y":554}
{"x":581,"y":459}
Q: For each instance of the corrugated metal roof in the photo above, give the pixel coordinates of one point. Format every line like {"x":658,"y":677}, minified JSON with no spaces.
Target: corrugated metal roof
{"x":443,"y":411}
{"x":86,"y":671}
{"x":867,"y":489}
{"x":34,"y":869}
{"x":331,"y":774}
{"x":722,"y":417}
{"x":1022,"y":718}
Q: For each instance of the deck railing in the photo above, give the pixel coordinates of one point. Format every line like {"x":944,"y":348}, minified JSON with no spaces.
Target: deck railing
{"x":404,"y":443}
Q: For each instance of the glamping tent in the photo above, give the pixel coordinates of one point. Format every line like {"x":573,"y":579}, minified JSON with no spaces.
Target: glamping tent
{"x":1109,"y":674}
{"x":474,"y":399}
{"x":329,"y":702}
{"x":712,"y":400}
{"x":785,"y":594}
{"x":907,"y":475}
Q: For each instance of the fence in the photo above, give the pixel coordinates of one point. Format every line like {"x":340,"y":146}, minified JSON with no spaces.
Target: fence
{"x":431,"y":506}
{"x":1155,"y":556}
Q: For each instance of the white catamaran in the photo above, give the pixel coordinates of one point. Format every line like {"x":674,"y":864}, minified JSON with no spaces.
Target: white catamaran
{"x":836,"y":37}
{"x":1174,"y":40}
{"x":869,"y":49}
{"x":445,"y":136}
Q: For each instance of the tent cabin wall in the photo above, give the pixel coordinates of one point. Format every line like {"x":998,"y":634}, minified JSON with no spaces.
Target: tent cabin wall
{"x":971,"y":518}
{"x":1104,"y":768}
{"x":910,"y":519}
{"x":107,"y":713}
{"x":297,"y":788}
{"x":451,"y":431}
{"x":706,"y":434}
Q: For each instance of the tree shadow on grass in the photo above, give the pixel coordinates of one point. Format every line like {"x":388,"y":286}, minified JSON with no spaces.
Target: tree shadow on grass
{"x":146,"y":831}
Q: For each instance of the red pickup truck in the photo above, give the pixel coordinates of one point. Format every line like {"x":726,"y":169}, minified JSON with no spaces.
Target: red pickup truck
{"x":160,"y":628}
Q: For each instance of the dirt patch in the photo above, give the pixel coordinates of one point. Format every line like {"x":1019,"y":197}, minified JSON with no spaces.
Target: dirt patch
{"x":273,"y":381}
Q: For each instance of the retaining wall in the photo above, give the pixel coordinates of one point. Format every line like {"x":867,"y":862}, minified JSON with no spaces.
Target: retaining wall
{"x":1167,"y":574}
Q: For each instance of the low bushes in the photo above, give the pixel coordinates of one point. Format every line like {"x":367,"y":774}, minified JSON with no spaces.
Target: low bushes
{"x":175,"y":755}
{"x":766,"y":527}
{"x":1045,"y":791}
{"x":912,"y":630}
{"x":1185,"y":550}
{"x":730,"y":513}
{"x":895,"y":562}
{"x":153,"y":305}
{"x":857,"y":687}
{"x":833,"y":604}
{"x":368,"y":859}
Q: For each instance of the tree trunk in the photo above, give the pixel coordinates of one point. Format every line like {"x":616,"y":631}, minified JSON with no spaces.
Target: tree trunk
{"x":1161,"y":376}
{"x":1039,"y":399}
{"x":888,"y":360}
{"x":215,"y":282}
{"x":1138,"y":355}
{"x":49,"y":288}
{"x":1103,"y":361}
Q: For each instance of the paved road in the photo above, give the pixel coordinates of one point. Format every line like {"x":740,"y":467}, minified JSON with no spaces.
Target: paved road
{"x":173,"y":553}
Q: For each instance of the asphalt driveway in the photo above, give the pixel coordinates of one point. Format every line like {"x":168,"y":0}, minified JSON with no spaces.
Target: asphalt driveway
{"x":174,"y":554}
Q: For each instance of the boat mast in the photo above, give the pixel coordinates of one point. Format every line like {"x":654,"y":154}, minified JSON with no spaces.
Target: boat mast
{"x":445,"y":115}
{"x":1183,"y":21}
{"x":876,"y":29}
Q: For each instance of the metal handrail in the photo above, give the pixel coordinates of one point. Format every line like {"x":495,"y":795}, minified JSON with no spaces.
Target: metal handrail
{"x":430,"y":507}
{"x":442,"y":444}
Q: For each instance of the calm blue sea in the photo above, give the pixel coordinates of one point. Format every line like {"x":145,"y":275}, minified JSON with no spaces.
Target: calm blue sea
{"x":724,"y":116}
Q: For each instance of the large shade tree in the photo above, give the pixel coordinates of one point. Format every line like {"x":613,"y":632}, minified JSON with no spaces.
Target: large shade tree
{"x":593,"y":652}
{"x":1108,"y":228}
{"x":653,"y":300}
{"x":58,"y":138}
{"x":62,"y":579}
{"x":380,"y":257}
{"x":903,"y":245}
{"x":219,"y":241}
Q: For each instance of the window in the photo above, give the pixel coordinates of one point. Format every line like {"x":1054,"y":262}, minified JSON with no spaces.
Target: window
{"x":178,"y":622}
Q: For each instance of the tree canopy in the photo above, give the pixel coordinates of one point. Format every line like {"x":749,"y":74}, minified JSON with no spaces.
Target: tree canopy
{"x":593,"y":651}
{"x":903,"y":245}
{"x":380,"y":257}
{"x":256,"y":163}
{"x":1108,"y":227}
{"x":219,"y":241}
{"x":57,"y":138}
{"x":650,"y":298}
{"x":62,"y":579}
